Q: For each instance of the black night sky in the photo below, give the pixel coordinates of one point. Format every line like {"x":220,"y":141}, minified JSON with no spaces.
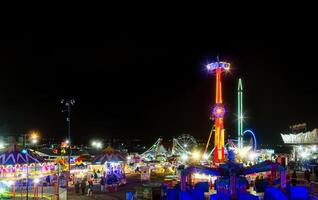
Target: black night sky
{"x":145,"y":82}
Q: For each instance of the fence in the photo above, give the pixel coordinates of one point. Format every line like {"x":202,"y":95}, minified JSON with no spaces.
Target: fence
{"x":45,"y":193}
{"x":49,"y":193}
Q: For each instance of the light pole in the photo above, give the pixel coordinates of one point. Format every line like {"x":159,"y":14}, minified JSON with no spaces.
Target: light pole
{"x":34,"y":138}
{"x":68,"y":104}
{"x":25,"y":151}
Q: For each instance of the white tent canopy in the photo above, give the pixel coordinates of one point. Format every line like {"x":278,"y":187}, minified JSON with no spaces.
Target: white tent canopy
{"x":310,"y":137}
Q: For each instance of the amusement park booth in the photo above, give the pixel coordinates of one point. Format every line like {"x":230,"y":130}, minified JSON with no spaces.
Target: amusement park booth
{"x":24,"y":173}
{"x":111,"y":164}
{"x":79,"y":168}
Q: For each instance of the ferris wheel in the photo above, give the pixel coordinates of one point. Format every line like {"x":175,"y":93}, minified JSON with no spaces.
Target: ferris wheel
{"x":187,"y":141}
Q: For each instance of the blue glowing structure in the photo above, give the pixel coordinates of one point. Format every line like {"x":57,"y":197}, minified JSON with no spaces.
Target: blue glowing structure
{"x":254,"y":138}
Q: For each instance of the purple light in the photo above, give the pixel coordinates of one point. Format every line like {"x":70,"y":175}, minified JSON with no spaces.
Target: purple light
{"x":218,"y":111}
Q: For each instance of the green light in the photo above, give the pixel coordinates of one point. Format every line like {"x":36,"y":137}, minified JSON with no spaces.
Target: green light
{"x":240,"y":113}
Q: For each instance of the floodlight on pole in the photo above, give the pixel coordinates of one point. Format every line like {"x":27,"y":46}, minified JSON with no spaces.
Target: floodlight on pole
{"x":68,"y":104}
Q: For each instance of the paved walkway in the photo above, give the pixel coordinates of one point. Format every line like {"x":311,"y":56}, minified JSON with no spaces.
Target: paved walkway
{"x":132,"y":182}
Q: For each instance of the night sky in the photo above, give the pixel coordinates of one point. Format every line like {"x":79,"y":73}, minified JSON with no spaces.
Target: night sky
{"x":145,"y":82}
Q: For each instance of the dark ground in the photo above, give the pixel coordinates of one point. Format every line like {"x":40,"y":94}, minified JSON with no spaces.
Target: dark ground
{"x":133,"y":181}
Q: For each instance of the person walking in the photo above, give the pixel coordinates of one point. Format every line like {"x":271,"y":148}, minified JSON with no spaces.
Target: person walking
{"x":48,"y":180}
{"x":83,"y":186}
{"x":102,"y":184}
{"x":90,"y":188}
{"x":77,"y":187}
{"x":307,"y":175}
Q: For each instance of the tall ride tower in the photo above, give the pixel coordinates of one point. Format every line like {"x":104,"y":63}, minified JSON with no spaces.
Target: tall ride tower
{"x":218,"y":109}
{"x":240,"y":114}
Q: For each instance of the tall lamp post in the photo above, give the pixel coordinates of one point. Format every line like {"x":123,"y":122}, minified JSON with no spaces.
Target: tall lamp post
{"x":68,"y":104}
{"x":97,"y":144}
{"x":34,"y":139}
{"x":25,"y":151}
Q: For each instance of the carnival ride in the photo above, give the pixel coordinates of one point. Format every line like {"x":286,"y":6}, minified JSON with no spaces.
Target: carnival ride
{"x":160,"y":159}
{"x":155,"y":151}
{"x":246,"y":153}
{"x":231,"y":172}
{"x":182,"y":147}
{"x":188,"y":142}
{"x":253,"y":137}
{"x":218,"y":111}
{"x":240,"y":114}
{"x":231,"y":179}
{"x":179,"y":149}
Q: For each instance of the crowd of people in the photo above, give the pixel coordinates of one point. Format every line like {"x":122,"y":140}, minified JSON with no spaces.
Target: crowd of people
{"x":307,"y":177}
{"x":108,"y":183}
{"x":83,"y":186}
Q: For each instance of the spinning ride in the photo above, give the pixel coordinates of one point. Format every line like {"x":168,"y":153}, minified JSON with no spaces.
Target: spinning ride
{"x":187,"y":141}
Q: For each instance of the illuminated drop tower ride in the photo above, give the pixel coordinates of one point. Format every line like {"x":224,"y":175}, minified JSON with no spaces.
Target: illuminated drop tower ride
{"x":218,"y":110}
{"x":240,"y":114}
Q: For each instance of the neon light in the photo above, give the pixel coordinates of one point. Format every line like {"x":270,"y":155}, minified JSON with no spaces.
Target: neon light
{"x":254,"y":138}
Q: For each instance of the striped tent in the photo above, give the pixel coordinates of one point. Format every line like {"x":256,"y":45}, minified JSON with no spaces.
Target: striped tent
{"x":13,"y":155}
{"x":109,"y":155}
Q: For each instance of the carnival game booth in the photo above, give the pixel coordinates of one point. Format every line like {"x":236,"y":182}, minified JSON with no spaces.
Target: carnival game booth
{"x":111,"y":164}
{"x":133,"y":163}
{"x":135,"y":158}
{"x":80,"y":169}
{"x":23,"y":173}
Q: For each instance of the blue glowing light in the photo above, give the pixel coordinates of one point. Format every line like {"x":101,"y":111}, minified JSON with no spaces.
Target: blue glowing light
{"x":254,"y":138}
{"x":24,"y":151}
